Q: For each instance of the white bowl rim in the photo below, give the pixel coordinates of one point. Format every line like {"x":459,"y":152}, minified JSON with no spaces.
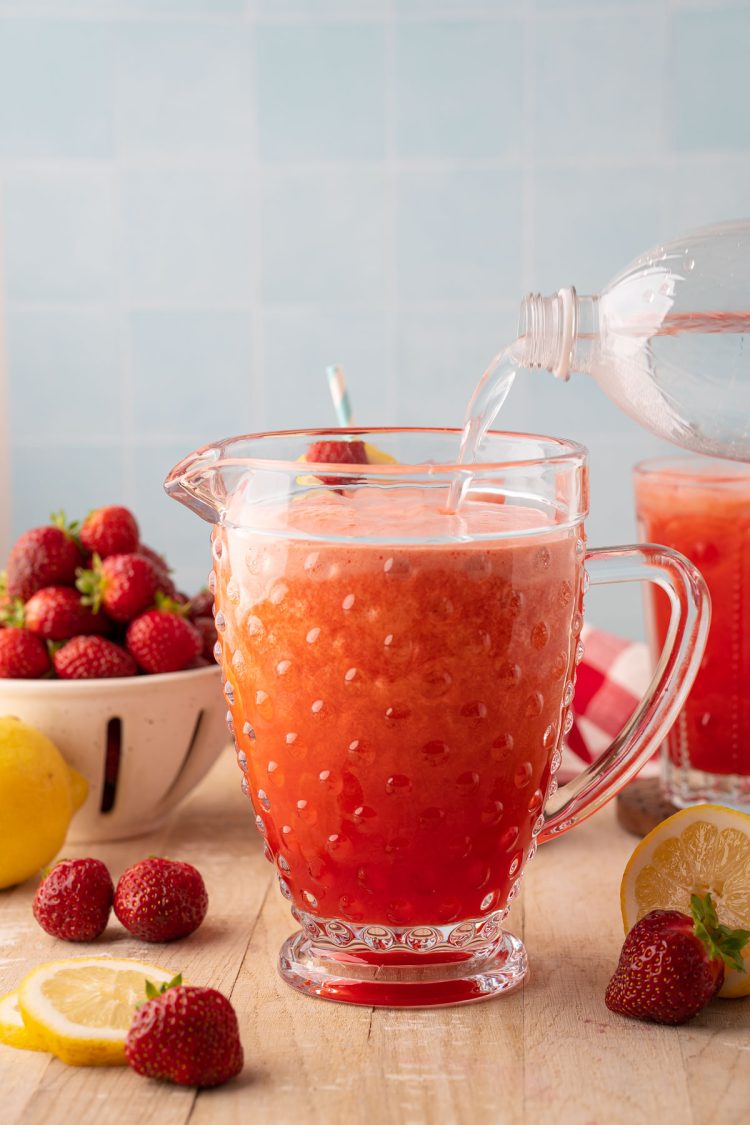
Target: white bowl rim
{"x":115,"y":685}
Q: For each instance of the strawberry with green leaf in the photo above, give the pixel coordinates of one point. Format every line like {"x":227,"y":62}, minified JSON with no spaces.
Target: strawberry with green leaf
{"x":186,"y":1035}
{"x":57,"y":613}
{"x":43,"y":556}
{"x":122,"y":585}
{"x":672,"y":965}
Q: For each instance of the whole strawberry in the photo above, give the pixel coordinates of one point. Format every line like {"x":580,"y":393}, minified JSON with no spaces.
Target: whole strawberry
{"x":110,"y":531}
{"x":161,"y":899}
{"x":185,"y":1035}
{"x":202,"y":605}
{"x":23,"y":656}
{"x":122,"y":585}
{"x":166,"y":585}
{"x":337,"y":453}
{"x":162,"y":640}
{"x":43,"y":556}
{"x":93,"y":658}
{"x":672,"y":965}
{"x":74,"y":899}
{"x":57,"y":613}
{"x":206,"y":626}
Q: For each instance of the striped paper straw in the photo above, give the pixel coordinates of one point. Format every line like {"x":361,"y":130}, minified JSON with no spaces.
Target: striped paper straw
{"x":340,"y":396}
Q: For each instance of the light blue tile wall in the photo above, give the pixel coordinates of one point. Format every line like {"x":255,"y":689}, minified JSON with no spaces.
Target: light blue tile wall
{"x":323,"y":235}
{"x":204,"y":196}
{"x":321,"y":91}
{"x":441,"y":108}
{"x":59,"y":231}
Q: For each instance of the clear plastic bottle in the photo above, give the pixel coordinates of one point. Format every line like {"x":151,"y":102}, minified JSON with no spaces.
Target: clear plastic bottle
{"x":666,"y":340}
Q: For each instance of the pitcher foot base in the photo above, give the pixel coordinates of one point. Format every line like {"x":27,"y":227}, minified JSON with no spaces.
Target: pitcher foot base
{"x":314,"y":972}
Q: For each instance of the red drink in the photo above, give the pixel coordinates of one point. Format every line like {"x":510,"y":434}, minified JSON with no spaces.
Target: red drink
{"x":398,"y":709}
{"x":702,"y":508}
{"x":400,"y":678}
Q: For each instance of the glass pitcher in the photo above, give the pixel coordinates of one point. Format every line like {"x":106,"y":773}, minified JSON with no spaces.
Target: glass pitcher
{"x":399,"y":680}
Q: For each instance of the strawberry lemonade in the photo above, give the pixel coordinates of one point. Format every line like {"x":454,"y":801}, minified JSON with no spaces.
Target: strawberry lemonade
{"x":398,"y":679}
{"x":702,"y":509}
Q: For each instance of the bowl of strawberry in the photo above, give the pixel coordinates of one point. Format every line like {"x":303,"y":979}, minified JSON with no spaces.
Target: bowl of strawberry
{"x":101,"y":652}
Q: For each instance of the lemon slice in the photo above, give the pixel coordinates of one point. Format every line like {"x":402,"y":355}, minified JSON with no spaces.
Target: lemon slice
{"x":81,"y":1009}
{"x":700,"y":849}
{"x":13,"y":1030}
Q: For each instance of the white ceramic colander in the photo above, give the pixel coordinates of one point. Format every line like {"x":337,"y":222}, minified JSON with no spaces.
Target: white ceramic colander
{"x":141,"y":742}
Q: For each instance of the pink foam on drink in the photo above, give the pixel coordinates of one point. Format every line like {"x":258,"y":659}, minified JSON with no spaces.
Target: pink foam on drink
{"x":398,"y":514}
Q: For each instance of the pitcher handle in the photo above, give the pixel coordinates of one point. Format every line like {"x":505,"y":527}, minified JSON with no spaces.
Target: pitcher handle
{"x":690,"y":607}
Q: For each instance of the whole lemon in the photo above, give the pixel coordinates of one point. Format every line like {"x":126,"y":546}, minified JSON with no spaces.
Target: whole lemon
{"x":39,"y":792}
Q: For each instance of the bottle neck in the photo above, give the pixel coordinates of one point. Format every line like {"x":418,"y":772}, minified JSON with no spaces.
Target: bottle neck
{"x":559,"y":333}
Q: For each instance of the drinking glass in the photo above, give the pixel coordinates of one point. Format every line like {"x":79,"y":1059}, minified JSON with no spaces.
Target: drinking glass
{"x":399,"y":679}
{"x":701,"y":507}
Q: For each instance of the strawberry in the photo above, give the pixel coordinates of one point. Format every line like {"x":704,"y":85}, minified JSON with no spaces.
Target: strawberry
{"x":123,"y":585}
{"x":202,"y":605}
{"x":93,"y":658}
{"x":207,"y":629}
{"x":161,"y":899}
{"x":185,"y":1035}
{"x":337,"y":453}
{"x":672,"y":965}
{"x":162,"y":640}
{"x":43,"y":556}
{"x":166,"y":585}
{"x":57,"y":613}
{"x":74,"y":899}
{"x":110,"y":531}
{"x":23,"y":656}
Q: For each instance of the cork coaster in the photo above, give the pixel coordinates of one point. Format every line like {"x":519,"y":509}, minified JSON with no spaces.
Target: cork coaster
{"x":641,"y":806}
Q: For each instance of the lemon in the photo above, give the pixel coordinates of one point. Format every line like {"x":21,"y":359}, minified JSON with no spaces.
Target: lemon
{"x":13,"y":1030}
{"x":39,"y":792}
{"x":81,"y":1009}
{"x":377,"y":456}
{"x":700,"y":849}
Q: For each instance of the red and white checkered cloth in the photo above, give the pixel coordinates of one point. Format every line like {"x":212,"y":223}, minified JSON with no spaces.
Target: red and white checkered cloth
{"x":612,"y":679}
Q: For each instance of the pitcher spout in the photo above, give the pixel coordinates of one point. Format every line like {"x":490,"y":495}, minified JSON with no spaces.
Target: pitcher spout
{"x":197,"y":482}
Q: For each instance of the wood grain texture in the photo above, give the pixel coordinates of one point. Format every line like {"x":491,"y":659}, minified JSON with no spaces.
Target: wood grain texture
{"x":550,"y":1052}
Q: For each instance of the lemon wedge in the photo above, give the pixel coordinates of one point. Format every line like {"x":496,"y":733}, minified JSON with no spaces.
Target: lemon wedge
{"x":13,"y":1030}
{"x":700,"y":849}
{"x":81,"y":1009}
{"x":377,"y":456}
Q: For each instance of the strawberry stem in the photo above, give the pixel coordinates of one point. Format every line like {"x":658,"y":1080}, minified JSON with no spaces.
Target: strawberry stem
{"x":152,"y":991}
{"x":166,"y":604}
{"x":720,"y":940}
{"x":11,"y":613}
{"x":71,"y":528}
{"x":90,"y":584}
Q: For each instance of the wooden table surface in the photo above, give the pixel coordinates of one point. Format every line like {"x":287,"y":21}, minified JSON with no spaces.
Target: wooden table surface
{"x":549,"y":1052}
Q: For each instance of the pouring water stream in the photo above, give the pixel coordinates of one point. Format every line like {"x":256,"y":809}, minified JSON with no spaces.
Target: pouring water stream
{"x":484,"y":406}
